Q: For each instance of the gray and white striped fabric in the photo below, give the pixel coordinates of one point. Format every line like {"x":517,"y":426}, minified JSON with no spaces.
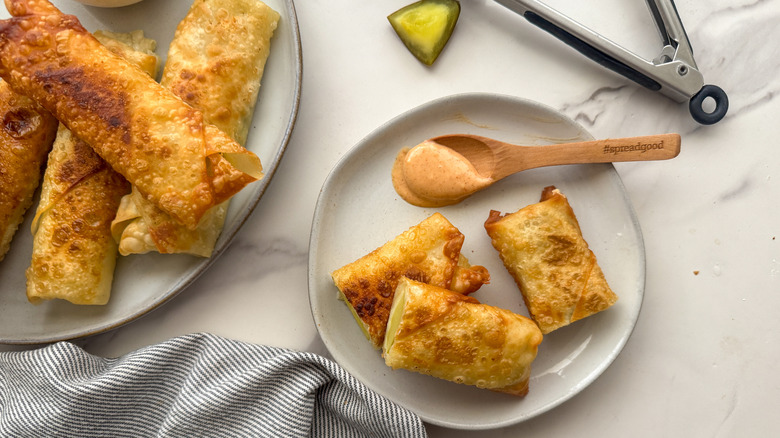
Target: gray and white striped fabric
{"x":198,"y":385}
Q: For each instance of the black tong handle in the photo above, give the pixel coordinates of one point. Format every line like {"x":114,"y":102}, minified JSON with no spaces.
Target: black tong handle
{"x":695,"y":105}
{"x":591,"y":52}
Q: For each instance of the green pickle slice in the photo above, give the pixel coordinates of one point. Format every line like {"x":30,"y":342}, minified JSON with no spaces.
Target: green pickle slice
{"x":426,"y":26}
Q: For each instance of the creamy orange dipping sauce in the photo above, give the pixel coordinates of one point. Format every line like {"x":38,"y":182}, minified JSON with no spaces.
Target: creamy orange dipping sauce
{"x":432,"y":175}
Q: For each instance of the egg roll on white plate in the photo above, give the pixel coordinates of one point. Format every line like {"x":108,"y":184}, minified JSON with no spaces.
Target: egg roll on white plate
{"x":543,"y":249}
{"x":215,"y":63}
{"x":26,"y":135}
{"x":146,"y":133}
{"x":428,"y":252}
{"x":74,"y":253}
{"x":440,"y":333}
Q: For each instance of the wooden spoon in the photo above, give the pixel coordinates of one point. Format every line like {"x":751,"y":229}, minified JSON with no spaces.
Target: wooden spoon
{"x":496,"y":159}
{"x":431,"y":175}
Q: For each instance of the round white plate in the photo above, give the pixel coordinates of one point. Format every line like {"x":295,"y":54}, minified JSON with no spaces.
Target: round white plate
{"x":144,"y":282}
{"x":358,"y":211}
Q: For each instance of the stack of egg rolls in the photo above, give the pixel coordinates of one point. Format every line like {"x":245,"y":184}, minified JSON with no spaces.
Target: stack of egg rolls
{"x":160,"y":144}
{"x":74,"y":254}
{"x":429,"y":252}
{"x":166,"y":156}
{"x":215,"y":63}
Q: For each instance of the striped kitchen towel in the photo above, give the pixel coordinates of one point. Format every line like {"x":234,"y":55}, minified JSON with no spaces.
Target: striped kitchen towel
{"x":198,"y":385}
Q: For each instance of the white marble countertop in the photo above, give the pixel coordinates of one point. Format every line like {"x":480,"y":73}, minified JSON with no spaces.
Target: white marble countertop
{"x":701,"y":360}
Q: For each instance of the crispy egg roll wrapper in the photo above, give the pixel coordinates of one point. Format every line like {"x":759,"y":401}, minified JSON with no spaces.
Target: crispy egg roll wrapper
{"x":74,"y":253}
{"x":427,"y":252}
{"x":542,"y":247}
{"x":26,"y":135}
{"x":437,"y":332}
{"x":215,"y":63}
{"x":146,"y":133}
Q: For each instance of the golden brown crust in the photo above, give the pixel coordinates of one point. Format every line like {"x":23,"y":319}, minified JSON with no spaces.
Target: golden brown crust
{"x":26,"y":135}
{"x":141,"y":129}
{"x":18,"y":8}
{"x":542,"y":246}
{"x":74,"y":253}
{"x":455,"y":337}
{"x":468,"y":278}
{"x":215,"y":63}
{"x":132,"y":46}
{"x":140,"y":227}
{"x":217,"y":58}
{"x":428,"y":252}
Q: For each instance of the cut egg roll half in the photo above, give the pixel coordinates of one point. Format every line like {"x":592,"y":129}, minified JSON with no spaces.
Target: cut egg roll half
{"x":428,"y":252}
{"x":454,"y":337}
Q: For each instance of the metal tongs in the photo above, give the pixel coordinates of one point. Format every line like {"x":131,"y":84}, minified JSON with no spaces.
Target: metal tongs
{"x":673,"y":72}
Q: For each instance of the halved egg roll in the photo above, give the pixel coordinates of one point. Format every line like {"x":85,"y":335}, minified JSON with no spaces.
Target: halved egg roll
{"x":428,"y":252}
{"x":74,"y":254}
{"x":146,"y":133}
{"x":215,"y":63}
{"x":26,"y":136}
{"x":542,"y":247}
{"x":443,"y":334}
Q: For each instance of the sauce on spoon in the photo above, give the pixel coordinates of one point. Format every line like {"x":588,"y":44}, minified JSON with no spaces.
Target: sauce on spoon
{"x":443,"y":170}
{"x":432,"y":175}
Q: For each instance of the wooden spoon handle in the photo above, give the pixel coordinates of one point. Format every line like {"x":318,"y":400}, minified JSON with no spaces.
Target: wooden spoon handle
{"x":644,"y":148}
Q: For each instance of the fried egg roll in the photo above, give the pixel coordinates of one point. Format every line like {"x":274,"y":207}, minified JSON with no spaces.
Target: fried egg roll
{"x":156,"y":141}
{"x":542,"y":247}
{"x":215,"y":63}
{"x":428,"y":252}
{"x":74,"y":253}
{"x":26,"y":136}
{"x":437,"y":332}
